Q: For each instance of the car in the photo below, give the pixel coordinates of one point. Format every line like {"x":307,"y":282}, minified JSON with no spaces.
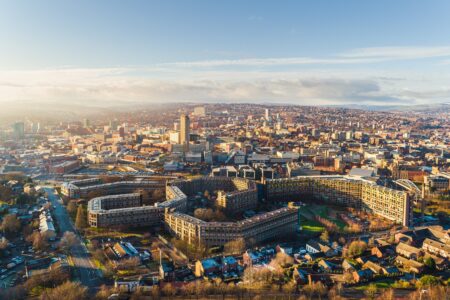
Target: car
{"x":3,"y":276}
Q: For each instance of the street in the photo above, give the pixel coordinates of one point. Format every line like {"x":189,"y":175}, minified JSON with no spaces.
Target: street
{"x":85,"y":271}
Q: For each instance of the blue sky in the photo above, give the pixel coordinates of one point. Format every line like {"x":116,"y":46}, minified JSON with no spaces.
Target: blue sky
{"x":303,"y":52}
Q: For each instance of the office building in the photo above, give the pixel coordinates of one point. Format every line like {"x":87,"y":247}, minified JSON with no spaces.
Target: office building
{"x":184,"y":131}
{"x":19,"y":130}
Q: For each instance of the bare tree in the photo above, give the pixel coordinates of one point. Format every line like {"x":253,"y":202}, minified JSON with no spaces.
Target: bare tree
{"x":81,"y":219}
{"x":11,"y":224}
{"x":283,"y":259}
{"x":67,"y":291}
{"x":68,"y":240}
{"x":236,"y":246}
{"x":39,"y":241}
{"x":169,"y":290}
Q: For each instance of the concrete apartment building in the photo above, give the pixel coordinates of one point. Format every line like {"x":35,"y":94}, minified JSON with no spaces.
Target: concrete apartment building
{"x":258,"y":228}
{"x":342,"y":190}
{"x":81,"y":188}
{"x":236,"y":195}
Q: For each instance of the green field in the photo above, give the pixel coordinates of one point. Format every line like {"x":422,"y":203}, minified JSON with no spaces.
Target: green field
{"x":309,"y":211}
{"x":310,"y":225}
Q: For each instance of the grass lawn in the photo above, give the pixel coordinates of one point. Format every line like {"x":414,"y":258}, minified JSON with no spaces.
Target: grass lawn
{"x":94,"y":232}
{"x":309,"y":225}
{"x":322,"y":210}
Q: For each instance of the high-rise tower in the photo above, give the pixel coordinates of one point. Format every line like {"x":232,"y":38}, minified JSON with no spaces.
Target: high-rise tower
{"x":184,"y":131}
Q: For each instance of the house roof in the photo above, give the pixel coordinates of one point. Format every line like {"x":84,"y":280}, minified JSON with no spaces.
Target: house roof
{"x":407,"y":248}
{"x":439,"y":245}
{"x":209,"y":263}
{"x":365,"y":273}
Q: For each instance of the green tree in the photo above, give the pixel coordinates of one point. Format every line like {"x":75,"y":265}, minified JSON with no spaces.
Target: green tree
{"x":81,"y":219}
{"x":428,"y":280}
{"x":356,"y":248}
{"x":430,"y":263}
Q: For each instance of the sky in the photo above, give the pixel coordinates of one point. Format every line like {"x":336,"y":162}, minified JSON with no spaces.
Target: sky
{"x":302,"y":52}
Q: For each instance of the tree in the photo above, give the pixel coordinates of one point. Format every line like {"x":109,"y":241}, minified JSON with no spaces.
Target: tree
{"x":81,"y":219}
{"x":236,"y":246}
{"x":427,"y":281}
{"x":155,"y":292}
{"x":104,"y":292}
{"x":290,"y":287}
{"x":11,"y":224}
{"x":68,"y":240}
{"x":388,"y":294}
{"x":169,"y":290}
{"x":325,"y":236}
{"x":67,"y":291}
{"x":430,"y":263}
{"x":39,"y":241}
{"x":72,"y":208}
{"x":316,"y":288}
{"x":371,"y":291}
{"x":356,"y":248}
{"x":283,"y":259}
{"x":5,"y":193}
{"x":158,"y":195}
{"x":129,"y":263}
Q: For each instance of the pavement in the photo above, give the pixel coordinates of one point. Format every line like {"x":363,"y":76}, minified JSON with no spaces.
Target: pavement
{"x":85,"y":270}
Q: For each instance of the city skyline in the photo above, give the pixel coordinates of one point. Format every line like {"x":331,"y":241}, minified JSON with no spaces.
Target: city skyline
{"x":320,"y":53}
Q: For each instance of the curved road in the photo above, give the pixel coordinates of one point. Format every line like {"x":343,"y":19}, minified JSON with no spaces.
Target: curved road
{"x":85,"y":271}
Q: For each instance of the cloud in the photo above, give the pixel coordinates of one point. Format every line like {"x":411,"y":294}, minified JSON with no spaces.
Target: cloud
{"x":393,"y":53}
{"x":111,"y":86}
{"x":355,"y":56}
{"x":265,"y":62}
{"x":263,"y":79}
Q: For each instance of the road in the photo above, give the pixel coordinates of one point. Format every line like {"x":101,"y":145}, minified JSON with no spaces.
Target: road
{"x":85,"y":271}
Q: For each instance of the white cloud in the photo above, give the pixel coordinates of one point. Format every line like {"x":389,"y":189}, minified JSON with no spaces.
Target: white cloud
{"x":120,"y":85}
{"x":207,"y":81}
{"x":356,"y":56}
{"x":393,"y":53}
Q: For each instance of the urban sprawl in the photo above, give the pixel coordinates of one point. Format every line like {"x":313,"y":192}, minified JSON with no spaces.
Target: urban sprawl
{"x":226,"y":201}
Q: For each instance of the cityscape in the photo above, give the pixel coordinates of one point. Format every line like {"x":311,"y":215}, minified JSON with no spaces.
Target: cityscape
{"x":221,"y":175}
